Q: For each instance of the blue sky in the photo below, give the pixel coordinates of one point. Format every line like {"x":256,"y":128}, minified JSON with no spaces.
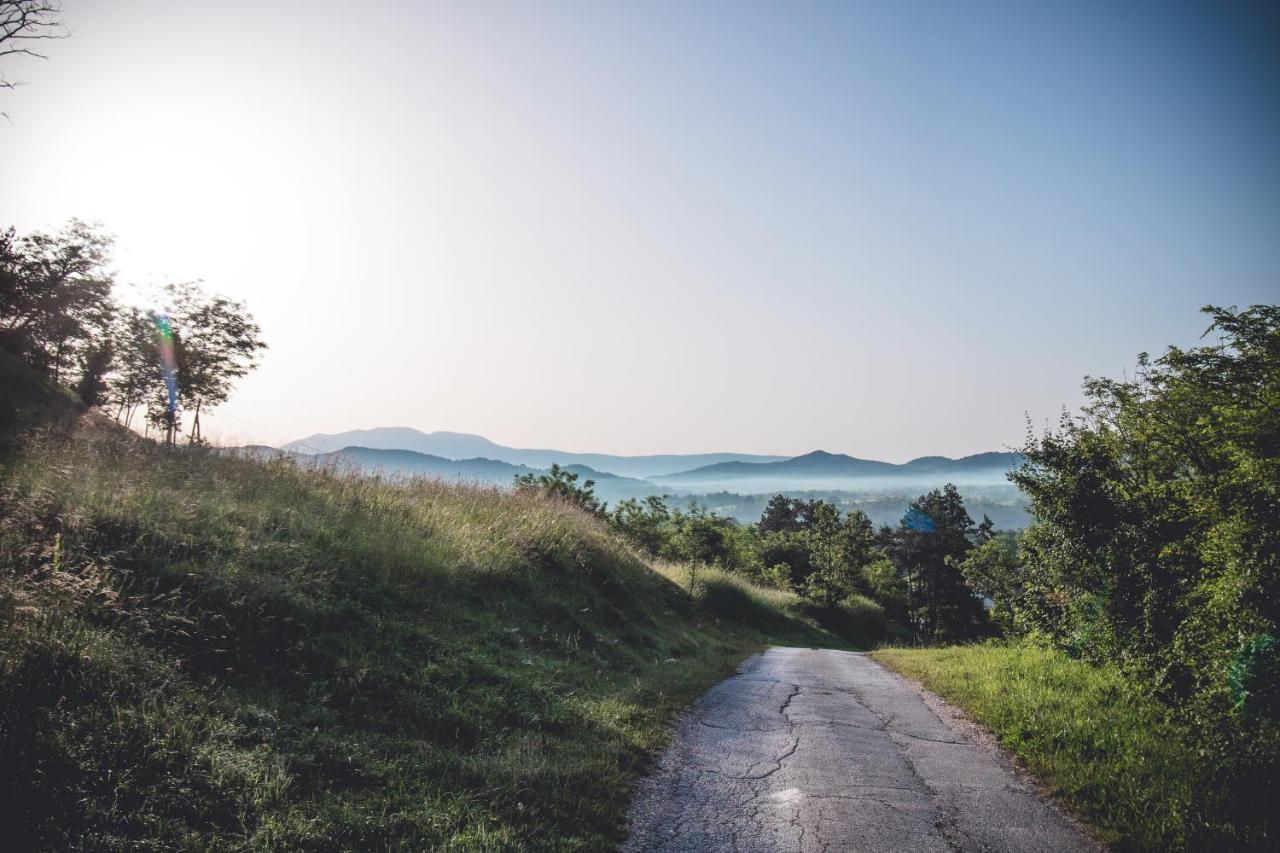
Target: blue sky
{"x":887,"y":229}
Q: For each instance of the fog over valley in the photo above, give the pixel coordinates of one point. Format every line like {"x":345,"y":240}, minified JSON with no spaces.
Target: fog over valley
{"x":737,"y":485}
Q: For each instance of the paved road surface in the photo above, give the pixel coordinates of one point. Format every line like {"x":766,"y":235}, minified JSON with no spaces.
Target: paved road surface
{"x":814,"y":749}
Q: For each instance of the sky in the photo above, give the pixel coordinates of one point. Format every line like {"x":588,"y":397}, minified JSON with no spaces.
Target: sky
{"x":883,"y":229}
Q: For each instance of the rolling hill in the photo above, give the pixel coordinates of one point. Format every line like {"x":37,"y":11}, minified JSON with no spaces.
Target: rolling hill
{"x":822,"y":470}
{"x":222,"y":651}
{"x":477,"y":471}
{"x":455,"y":445}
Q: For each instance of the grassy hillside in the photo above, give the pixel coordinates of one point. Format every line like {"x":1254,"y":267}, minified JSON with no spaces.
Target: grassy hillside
{"x":203,"y":651}
{"x":1112,"y":753}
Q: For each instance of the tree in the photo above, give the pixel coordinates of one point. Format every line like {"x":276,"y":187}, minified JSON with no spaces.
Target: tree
{"x":562,"y":484}
{"x":936,"y":533}
{"x":992,"y":570}
{"x":700,"y":536}
{"x":92,"y":389}
{"x":137,"y":366}
{"x":645,"y":523}
{"x":787,"y":515}
{"x":1156,"y":542}
{"x":23,"y":22}
{"x":219,"y":343}
{"x":55,"y":296}
{"x":823,"y":553}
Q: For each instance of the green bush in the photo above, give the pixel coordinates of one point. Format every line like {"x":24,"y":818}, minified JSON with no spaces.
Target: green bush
{"x":1156,"y":544}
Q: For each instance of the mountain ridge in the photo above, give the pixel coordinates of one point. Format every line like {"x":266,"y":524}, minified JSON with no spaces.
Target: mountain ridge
{"x":457,"y":445}
{"x":824,"y":464}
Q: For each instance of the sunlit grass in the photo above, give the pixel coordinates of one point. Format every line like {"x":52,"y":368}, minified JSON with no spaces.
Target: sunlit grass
{"x":1112,"y":754}
{"x":205,"y":651}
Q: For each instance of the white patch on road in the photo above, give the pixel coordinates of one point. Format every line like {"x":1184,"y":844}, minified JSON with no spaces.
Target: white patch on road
{"x":786,"y":796}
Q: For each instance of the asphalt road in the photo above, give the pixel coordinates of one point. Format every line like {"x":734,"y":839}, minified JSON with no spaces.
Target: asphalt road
{"x":815,"y":749}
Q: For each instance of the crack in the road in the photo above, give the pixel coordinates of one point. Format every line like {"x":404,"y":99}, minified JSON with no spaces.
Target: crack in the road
{"x":962,"y":743}
{"x":935,"y":798}
{"x":804,"y":759}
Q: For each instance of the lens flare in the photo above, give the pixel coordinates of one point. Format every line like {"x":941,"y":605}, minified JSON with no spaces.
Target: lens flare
{"x":168,"y":357}
{"x":917,"y":520}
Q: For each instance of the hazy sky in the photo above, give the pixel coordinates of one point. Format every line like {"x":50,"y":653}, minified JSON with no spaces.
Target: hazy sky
{"x":888,"y":229}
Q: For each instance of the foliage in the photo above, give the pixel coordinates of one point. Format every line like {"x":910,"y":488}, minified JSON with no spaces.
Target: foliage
{"x":1157,"y":545}
{"x":992,"y":570}
{"x":643,"y":522}
{"x":887,"y":587}
{"x":561,"y":485}
{"x":218,"y":343}
{"x":808,"y":546}
{"x":789,"y":515}
{"x":1116,"y":755}
{"x":823,"y":555}
{"x":57,"y":312}
{"x":55,"y":296}
{"x":699,"y":536}
{"x":928,"y":547}
{"x":137,"y":368}
{"x":92,"y":388}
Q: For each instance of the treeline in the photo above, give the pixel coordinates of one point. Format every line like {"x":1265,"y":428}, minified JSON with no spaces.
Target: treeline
{"x":59,"y":313}
{"x":914,"y":571}
{"x":1154,"y":547}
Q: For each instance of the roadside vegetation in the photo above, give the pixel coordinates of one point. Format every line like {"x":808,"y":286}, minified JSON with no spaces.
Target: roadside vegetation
{"x":1147,"y":597}
{"x":908,"y":576}
{"x":1115,"y":755}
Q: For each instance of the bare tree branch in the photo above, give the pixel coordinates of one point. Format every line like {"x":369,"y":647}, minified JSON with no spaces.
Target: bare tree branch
{"x":27,"y":20}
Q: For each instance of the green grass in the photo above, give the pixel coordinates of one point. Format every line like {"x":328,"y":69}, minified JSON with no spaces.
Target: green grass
{"x":206,"y":652}
{"x":1113,"y":755}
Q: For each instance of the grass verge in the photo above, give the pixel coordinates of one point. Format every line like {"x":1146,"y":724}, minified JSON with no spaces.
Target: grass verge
{"x":1115,"y":756}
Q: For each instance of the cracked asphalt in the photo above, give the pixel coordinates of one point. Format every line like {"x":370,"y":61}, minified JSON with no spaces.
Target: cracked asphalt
{"x":824,"y":750}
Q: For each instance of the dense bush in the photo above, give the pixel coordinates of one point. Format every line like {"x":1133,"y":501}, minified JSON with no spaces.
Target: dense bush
{"x":1157,"y":540}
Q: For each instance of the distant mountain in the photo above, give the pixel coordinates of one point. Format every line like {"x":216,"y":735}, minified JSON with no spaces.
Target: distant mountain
{"x":473,"y":458}
{"x":412,"y":463}
{"x":478,"y":470}
{"x":819,"y":463}
{"x":455,"y":445}
{"x":820,"y":469}
{"x":976,"y":462}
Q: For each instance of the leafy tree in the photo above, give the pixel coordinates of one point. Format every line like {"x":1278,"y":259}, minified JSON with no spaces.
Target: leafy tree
{"x":562,"y":485}
{"x":787,"y":515}
{"x":55,"y":296}
{"x":92,"y":389}
{"x":839,"y":550}
{"x":992,"y":570}
{"x":701,"y":536}
{"x":824,"y":555}
{"x":1157,"y":536}
{"x":934,"y":536}
{"x":137,"y":366}
{"x":646,"y":523}
{"x":887,"y":587}
{"x":220,"y":343}
{"x":790,"y":550}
